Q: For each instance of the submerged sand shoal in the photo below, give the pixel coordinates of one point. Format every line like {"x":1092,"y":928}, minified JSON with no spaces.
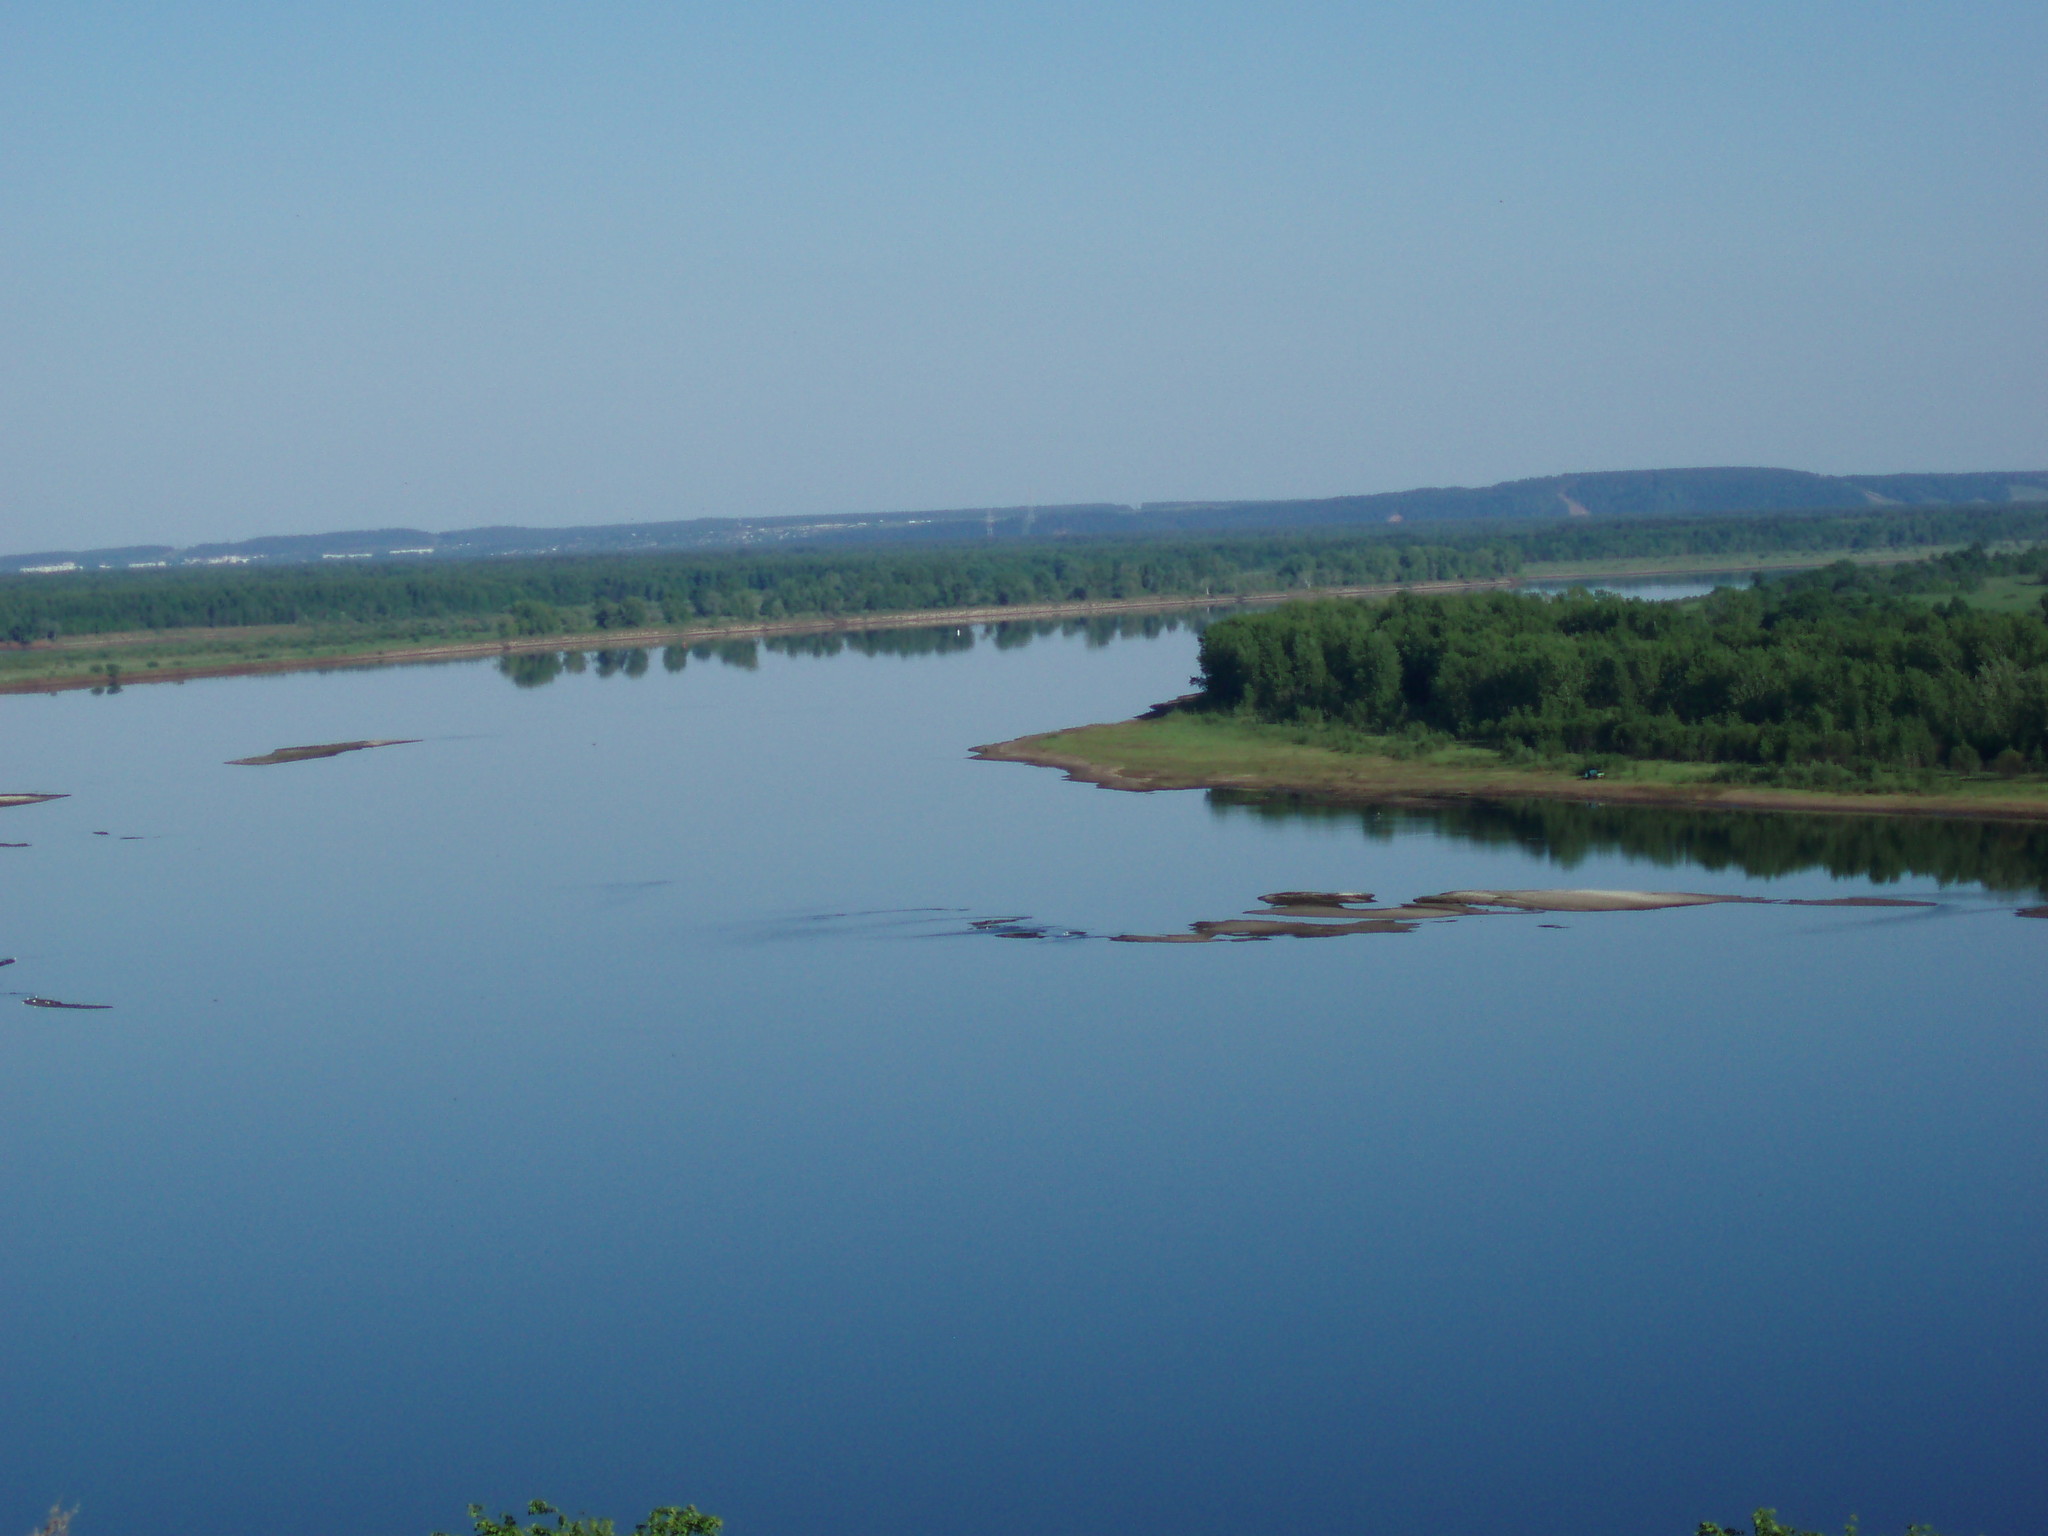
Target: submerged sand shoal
{"x":328,"y":749}
{"x":1339,"y":914}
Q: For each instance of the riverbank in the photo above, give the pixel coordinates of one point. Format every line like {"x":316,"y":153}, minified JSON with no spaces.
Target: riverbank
{"x":1181,"y":749}
{"x":145,"y":658}
{"x":181,"y":655}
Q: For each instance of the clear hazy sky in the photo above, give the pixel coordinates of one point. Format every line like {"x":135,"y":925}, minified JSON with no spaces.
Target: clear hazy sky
{"x":280,"y":268}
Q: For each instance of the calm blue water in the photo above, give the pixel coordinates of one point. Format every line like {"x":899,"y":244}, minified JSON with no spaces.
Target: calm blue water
{"x":586,"y":1102}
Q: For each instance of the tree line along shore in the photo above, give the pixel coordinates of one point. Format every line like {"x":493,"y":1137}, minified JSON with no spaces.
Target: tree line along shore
{"x":1845,"y":687}
{"x":87,"y":627}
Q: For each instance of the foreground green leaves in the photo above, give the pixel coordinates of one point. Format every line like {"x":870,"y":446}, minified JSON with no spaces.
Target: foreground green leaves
{"x":665,"y":1521}
{"x":691,"y":1521}
{"x":1765,"y":1523}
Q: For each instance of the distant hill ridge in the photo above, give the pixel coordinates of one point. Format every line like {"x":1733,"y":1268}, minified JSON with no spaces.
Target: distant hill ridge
{"x":1628,"y":493}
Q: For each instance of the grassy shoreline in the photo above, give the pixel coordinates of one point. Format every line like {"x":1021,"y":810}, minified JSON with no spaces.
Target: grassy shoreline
{"x":1182,"y":749}
{"x":179,"y":655}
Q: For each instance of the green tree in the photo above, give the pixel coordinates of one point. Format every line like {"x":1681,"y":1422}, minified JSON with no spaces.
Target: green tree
{"x":531,"y":616}
{"x":620,"y":613}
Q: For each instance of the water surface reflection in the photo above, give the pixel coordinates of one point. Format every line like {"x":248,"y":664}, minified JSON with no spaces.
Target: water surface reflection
{"x":533,"y":669}
{"x":2006,"y":858}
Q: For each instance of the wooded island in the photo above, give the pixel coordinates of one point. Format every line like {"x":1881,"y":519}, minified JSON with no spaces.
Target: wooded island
{"x":1848,"y":683}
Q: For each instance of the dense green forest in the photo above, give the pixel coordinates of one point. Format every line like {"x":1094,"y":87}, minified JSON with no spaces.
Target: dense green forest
{"x":544,"y":595}
{"x":1845,"y":670}
{"x":539,"y":596}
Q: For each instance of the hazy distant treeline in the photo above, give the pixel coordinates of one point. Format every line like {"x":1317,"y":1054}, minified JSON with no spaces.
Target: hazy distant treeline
{"x":548,"y":595}
{"x":1779,"y":533}
{"x":1839,"y":667}
{"x":551,"y":594}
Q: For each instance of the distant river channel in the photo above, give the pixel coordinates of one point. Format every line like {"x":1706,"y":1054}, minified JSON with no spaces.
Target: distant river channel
{"x":688,"y":1077}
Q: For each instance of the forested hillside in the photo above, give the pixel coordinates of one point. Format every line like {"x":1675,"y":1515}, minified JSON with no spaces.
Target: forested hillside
{"x":1599,"y":497}
{"x":1843,"y":667}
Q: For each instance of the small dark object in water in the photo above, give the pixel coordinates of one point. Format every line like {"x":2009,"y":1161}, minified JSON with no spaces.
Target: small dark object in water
{"x":13,"y":845}
{"x":1266,"y":928}
{"x":103,"y":834}
{"x":1018,"y":926}
{"x":8,"y":961}
{"x":51,"y":1002}
{"x":1861,"y":901}
{"x":1313,"y":898}
{"x":1593,"y":773}
{"x":331,"y":749}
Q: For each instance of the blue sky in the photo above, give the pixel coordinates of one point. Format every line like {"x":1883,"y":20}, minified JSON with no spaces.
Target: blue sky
{"x":283,"y":268}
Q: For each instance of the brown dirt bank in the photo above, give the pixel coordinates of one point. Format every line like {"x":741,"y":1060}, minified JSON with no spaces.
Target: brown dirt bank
{"x":1157,"y":753}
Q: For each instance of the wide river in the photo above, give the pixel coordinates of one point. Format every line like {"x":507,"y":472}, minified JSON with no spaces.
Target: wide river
{"x":611,"y":1097}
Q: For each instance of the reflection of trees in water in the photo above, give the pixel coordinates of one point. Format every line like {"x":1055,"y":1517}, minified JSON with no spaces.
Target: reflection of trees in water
{"x":1005,"y":635}
{"x":744,"y":654}
{"x":531,"y":669}
{"x":2008,"y":857}
{"x":875,"y":642}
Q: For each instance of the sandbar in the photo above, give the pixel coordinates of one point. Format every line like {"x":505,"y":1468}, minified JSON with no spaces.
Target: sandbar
{"x":1286,"y":918}
{"x":304,"y":754}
